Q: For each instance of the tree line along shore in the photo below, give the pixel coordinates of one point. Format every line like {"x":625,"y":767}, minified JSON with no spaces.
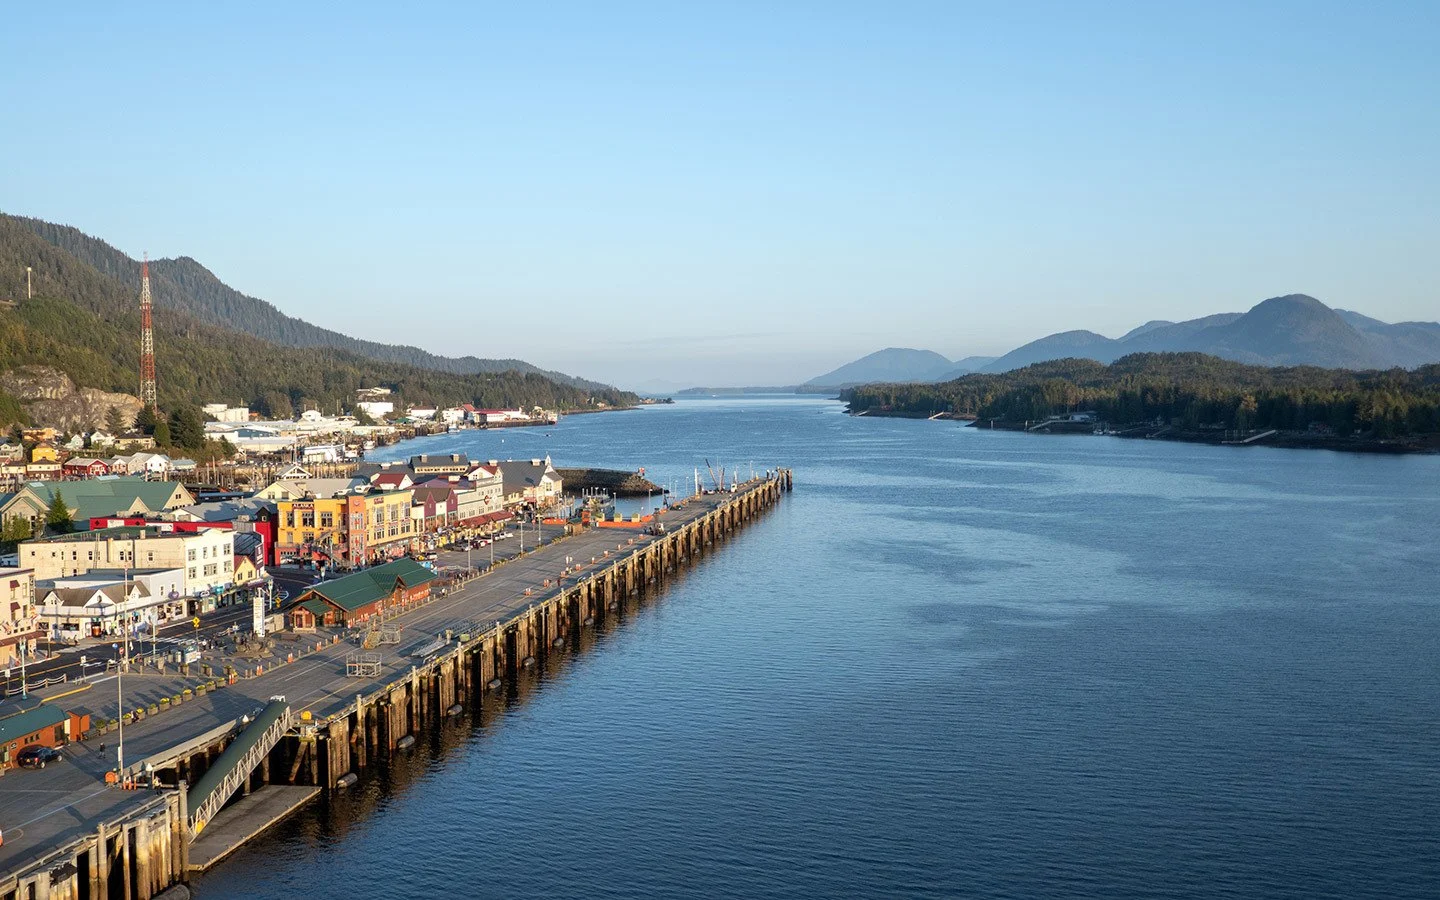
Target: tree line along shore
{"x":1185,"y":396}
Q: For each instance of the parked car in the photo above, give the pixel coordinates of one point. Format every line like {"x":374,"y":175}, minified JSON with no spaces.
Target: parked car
{"x":36,"y":756}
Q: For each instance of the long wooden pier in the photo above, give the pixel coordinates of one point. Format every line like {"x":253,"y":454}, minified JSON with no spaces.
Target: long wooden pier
{"x":133,"y":845}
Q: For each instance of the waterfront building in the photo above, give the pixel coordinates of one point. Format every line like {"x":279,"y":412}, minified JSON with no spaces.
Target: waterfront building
{"x":345,"y":529}
{"x":533,"y":481}
{"x":289,"y":488}
{"x":45,"y":725}
{"x":447,"y":464}
{"x":355,"y":599}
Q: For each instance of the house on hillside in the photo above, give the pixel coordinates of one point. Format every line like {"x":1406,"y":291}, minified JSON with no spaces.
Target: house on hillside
{"x":85,"y":467}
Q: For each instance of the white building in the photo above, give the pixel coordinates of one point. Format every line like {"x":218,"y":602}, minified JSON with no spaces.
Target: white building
{"x":220,"y":412}
{"x":151,"y":465}
{"x":322,"y":453}
{"x":421,"y":412}
{"x":109,"y":601}
{"x":251,"y":438}
{"x":376,"y":409}
{"x":206,"y":557}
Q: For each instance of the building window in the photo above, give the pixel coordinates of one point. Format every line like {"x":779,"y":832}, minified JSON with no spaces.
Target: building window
{"x":327,"y":520}
{"x":211,"y":569}
{"x":190,"y":554}
{"x":191,"y":572}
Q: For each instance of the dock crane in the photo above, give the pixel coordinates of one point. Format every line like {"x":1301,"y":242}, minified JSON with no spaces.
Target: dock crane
{"x":718,"y":481}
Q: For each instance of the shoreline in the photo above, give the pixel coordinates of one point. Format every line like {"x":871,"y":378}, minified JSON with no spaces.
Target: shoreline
{"x":1422,"y":444}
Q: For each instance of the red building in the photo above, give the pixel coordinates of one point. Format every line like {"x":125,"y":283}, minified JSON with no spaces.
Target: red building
{"x":262,"y":523}
{"x":84,"y":467}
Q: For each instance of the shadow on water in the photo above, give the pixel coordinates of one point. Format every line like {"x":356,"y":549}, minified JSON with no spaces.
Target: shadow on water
{"x":333,"y":817}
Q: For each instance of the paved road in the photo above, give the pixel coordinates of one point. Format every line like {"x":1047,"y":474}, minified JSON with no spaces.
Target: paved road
{"x":40,"y":809}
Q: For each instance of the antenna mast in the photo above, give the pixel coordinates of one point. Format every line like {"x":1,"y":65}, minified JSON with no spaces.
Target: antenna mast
{"x":147,"y":340}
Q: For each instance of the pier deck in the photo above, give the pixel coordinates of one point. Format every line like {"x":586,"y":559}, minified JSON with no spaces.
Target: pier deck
{"x":245,"y":818}
{"x":41,"y":810}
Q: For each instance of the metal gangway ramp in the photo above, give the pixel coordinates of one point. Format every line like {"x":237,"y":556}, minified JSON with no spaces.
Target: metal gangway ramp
{"x":231,"y":768}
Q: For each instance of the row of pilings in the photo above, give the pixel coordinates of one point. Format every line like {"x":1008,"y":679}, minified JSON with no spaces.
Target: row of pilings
{"x":375,"y":727}
{"x":146,"y":851}
{"x":135,"y":857}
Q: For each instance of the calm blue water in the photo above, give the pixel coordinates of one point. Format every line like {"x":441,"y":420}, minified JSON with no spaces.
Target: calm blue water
{"x":952,"y":663}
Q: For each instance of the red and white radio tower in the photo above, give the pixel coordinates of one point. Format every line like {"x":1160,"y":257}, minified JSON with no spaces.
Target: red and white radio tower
{"x":147,"y":341}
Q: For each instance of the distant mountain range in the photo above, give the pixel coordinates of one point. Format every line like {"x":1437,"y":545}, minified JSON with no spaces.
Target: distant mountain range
{"x":899,"y":364}
{"x":1294,"y":330}
{"x":186,"y":285}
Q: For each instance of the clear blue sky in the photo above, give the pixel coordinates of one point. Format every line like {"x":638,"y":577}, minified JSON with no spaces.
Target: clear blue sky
{"x":742,"y":192}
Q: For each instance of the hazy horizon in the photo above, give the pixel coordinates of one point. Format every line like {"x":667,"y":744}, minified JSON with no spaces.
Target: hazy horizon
{"x":646,"y":195}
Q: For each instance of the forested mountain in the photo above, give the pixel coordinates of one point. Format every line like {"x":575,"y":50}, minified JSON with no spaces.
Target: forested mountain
{"x":1283,"y":331}
{"x":86,"y":323}
{"x":184,"y":284}
{"x":1188,"y":389}
{"x":1294,"y":330}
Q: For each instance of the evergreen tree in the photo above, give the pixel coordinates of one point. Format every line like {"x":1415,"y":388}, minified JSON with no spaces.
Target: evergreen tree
{"x":162,"y":434}
{"x":57,"y":517}
{"x":17,"y":528}
{"x":116,"y":422}
{"x":187,"y":428}
{"x":146,"y":420}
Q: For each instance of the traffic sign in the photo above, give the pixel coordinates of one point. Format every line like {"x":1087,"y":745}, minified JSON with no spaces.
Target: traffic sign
{"x":196,"y":622}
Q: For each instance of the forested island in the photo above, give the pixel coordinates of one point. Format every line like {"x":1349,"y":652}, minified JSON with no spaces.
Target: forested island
{"x":1187,"y":396}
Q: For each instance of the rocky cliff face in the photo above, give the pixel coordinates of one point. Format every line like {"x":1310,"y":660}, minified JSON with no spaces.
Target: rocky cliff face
{"x":51,"y":398}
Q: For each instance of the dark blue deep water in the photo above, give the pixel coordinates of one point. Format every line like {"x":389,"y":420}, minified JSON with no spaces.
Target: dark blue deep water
{"x":952,"y":663}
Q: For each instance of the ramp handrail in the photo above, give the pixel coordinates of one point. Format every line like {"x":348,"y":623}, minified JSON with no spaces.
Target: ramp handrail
{"x":230,"y":770}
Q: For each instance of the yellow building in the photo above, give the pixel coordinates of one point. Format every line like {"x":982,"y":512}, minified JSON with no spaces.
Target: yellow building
{"x":44,"y":453}
{"x":381,"y":525}
{"x":347,"y":531}
{"x":312,"y":529}
{"x":245,"y":571}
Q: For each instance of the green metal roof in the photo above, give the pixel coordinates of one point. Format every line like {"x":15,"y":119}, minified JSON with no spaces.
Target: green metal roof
{"x":363,"y":588}
{"x":105,"y":496}
{"x":30,"y":721}
{"x":318,"y":607}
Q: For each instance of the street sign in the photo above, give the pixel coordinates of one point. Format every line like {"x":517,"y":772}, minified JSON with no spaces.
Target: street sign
{"x":196,"y":622}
